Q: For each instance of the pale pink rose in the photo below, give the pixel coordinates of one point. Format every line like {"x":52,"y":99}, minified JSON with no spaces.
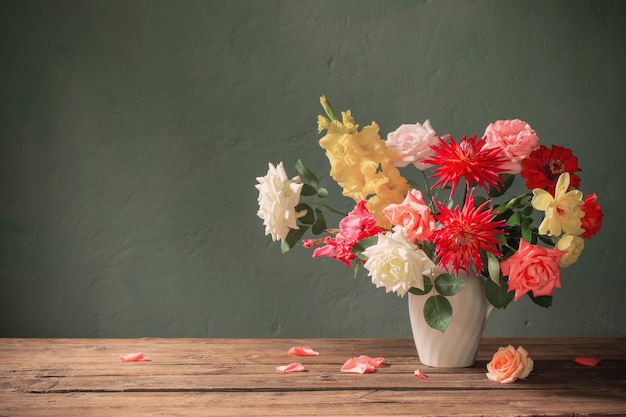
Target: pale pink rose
{"x":509,"y":364}
{"x":412,"y":215}
{"x":411,"y":144}
{"x":533,"y":268}
{"x":515,"y":138}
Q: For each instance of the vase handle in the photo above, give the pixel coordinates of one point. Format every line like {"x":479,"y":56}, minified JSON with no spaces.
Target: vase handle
{"x":490,"y":309}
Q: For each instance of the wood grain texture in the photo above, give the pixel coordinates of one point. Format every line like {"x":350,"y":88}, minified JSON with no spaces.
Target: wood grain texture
{"x":236,"y":377}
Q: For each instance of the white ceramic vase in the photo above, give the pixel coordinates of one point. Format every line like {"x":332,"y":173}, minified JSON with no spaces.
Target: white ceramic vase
{"x":458,"y":345}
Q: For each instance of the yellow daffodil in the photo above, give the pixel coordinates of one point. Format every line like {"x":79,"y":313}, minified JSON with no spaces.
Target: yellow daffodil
{"x":563,"y":212}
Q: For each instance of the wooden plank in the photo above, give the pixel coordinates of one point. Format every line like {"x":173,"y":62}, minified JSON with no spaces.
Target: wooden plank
{"x":333,"y":403}
{"x":145,"y":377}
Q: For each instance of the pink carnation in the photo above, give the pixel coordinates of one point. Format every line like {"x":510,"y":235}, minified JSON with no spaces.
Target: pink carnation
{"x":357,"y":225}
{"x":515,"y":138}
{"x":413,"y":215}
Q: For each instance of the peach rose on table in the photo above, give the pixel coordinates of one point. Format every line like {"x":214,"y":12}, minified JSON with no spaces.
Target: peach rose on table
{"x":533,"y":268}
{"x":412,"y":215}
{"x":515,"y":138}
{"x":509,"y":364}
{"x":411,"y":144}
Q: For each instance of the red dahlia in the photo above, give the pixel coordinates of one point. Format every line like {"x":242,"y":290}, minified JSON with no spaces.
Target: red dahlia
{"x":544,"y":166}
{"x":464,"y":233}
{"x":470,"y":160}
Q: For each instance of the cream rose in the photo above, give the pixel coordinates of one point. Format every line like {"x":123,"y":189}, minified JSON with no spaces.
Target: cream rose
{"x":509,"y":364}
{"x":411,"y":144}
{"x":573,"y":245}
{"x":396,"y":264}
{"x":515,"y":138}
{"x":278,"y":197}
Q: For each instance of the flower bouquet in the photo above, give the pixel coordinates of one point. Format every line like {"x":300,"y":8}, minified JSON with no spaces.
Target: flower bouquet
{"x":415,"y":237}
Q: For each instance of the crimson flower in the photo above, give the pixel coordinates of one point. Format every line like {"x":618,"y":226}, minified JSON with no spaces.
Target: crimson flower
{"x":544,"y":166}
{"x":469,"y":159}
{"x":464,"y":233}
{"x":592,"y":221}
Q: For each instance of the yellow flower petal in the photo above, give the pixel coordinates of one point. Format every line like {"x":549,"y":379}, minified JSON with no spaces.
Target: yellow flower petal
{"x":561,"y":185}
{"x":541,"y":199}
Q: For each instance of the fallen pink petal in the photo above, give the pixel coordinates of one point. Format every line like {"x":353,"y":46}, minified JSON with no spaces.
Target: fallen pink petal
{"x":302,"y":351}
{"x":587,"y":361}
{"x":362,"y":365}
{"x":419,"y":374}
{"x":292,"y":367}
{"x":134,"y":357}
{"x":376,"y":362}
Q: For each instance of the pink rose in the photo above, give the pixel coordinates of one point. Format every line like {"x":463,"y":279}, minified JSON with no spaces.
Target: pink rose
{"x":413,"y":215}
{"x":508,"y":364}
{"x":515,"y":138}
{"x":411,"y":144}
{"x":533,"y":268}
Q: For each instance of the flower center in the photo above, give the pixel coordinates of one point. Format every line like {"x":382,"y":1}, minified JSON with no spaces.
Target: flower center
{"x":554,"y":168}
{"x":461,"y":238}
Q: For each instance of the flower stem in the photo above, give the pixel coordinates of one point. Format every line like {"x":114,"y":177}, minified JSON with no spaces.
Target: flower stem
{"x":327,"y":207}
{"x":427,"y":187}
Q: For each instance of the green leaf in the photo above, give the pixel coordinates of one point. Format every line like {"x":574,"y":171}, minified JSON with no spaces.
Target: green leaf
{"x":546,"y":239}
{"x":309,"y":217}
{"x":507,"y":181}
{"x":542,"y":301}
{"x":320,"y":223}
{"x":527,"y":233}
{"x":363,"y":244}
{"x":428,"y":287}
{"x":292,"y":238}
{"x":478,"y":200}
{"x":528,"y":211}
{"x":438,"y":312}
{"x":498,"y":295}
{"x":308,"y":190}
{"x":514,"y":219}
{"x":493,"y":266}
{"x":447,"y":284}
{"x":306,"y":173}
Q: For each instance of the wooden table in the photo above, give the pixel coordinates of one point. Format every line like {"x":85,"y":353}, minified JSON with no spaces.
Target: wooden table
{"x":238,"y":377}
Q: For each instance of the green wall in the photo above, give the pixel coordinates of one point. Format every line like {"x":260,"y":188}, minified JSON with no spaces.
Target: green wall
{"x":132,"y":133}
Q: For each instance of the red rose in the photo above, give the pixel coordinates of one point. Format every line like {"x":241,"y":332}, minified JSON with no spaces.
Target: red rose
{"x":592,"y":222}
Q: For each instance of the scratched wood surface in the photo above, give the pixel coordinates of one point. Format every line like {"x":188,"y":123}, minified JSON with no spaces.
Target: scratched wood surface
{"x":238,"y":377}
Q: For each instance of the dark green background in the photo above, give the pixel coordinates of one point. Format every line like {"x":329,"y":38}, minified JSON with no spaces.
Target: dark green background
{"x":132,"y":133}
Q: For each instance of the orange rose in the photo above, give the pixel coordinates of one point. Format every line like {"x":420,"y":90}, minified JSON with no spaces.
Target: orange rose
{"x":509,"y":364}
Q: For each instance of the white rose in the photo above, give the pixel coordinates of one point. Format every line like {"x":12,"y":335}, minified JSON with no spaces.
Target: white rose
{"x":411,"y":144}
{"x":278,"y":197}
{"x":396,"y":264}
{"x":574,"y":246}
